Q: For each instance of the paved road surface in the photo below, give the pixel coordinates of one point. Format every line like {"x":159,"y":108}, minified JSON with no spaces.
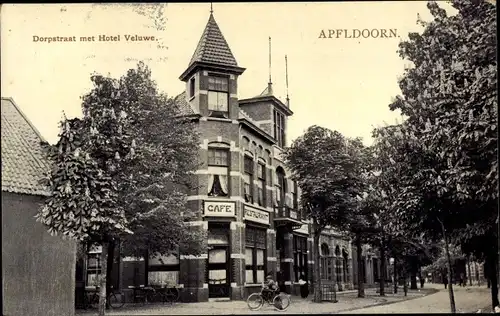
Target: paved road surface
{"x":468,"y":300}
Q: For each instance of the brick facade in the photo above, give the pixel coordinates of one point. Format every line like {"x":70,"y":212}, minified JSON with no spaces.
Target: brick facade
{"x":245,"y":130}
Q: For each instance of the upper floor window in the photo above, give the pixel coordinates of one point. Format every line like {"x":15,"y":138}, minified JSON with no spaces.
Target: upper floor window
{"x":261,"y":184}
{"x":293,"y":190}
{"x":218,"y":96}
{"x":248,"y":177}
{"x":192,"y":87}
{"x":279,"y":128}
{"x":218,"y":171}
{"x":280,"y":186}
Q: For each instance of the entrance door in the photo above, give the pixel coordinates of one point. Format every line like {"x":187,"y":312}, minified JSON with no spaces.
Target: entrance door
{"x":218,"y":276}
{"x":218,"y":262}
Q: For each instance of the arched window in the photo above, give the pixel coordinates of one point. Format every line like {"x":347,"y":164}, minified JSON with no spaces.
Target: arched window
{"x":261,"y":183}
{"x":345,"y":257}
{"x":326,"y":262}
{"x":338,"y":264}
{"x":280,"y":186}
{"x":218,"y":171}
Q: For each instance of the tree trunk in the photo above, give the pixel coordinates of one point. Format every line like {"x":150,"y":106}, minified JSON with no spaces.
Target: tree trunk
{"x":450,"y":275}
{"x":359,"y":250}
{"x":382,"y":268}
{"x":317,"y":270}
{"x":395,"y":272}
{"x":109,"y":266}
{"x":405,"y":281}
{"x":492,"y":278}
{"x":468,"y":267}
{"x":146,"y":267}
{"x":102,"y":279}
{"x":413,"y":273}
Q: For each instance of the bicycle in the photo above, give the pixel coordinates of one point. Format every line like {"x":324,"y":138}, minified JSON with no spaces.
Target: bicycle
{"x":114,"y":299}
{"x":172,"y":292}
{"x":279,"y":300}
{"x":159,"y":295}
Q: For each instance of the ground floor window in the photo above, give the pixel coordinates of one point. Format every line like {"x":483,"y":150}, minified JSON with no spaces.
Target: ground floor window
{"x":93,"y":266}
{"x":255,"y":254}
{"x":299,"y":257}
{"x":163,"y":271}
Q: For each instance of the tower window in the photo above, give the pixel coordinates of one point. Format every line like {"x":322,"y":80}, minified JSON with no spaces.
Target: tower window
{"x":279,"y":128}
{"x":218,"y":96}
{"x":192,"y":87}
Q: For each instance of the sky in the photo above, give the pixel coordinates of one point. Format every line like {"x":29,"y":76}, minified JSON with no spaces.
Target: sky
{"x":344,"y":84}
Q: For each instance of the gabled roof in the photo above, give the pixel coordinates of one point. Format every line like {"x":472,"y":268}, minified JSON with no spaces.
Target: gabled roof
{"x":212,"y":47}
{"x":23,"y":159}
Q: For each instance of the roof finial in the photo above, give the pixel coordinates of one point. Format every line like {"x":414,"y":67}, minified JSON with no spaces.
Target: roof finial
{"x":270,"y":83}
{"x":286,"y":76}
{"x":211,"y":8}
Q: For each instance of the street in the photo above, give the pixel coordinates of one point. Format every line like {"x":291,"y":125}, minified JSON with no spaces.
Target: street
{"x":432,"y":299}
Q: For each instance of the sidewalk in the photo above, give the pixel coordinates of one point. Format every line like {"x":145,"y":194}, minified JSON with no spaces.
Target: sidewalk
{"x":347,"y":301}
{"x":467,"y":300}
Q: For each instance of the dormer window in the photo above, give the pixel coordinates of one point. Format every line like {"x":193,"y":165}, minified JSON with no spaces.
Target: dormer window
{"x":218,"y":96}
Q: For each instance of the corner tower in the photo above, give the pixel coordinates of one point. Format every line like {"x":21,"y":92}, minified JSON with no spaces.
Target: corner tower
{"x":212,"y":74}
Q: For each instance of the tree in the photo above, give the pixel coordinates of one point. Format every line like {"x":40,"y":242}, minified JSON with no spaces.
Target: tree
{"x":326,"y":167}
{"x":84,"y":202}
{"x":137,"y":140}
{"x":450,"y":101}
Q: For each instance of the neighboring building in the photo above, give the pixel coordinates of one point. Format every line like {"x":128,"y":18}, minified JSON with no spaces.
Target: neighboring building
{"x":371,"y":263}
{"x":246,"y":200}
{"x":38,"y":270}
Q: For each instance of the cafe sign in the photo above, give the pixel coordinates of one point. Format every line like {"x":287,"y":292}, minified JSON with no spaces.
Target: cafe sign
{"x":255,"y":215}
{"x":218,"y":209}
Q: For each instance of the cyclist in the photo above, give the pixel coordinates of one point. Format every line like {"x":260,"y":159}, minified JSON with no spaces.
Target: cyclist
{"x":269,"y":287}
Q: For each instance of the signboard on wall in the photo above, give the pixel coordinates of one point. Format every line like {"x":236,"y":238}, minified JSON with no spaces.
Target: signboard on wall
{"x":219,"y":209}
{"x":255,"y":215}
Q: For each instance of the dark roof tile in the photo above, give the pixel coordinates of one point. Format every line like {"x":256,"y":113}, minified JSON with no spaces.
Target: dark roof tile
{"x":212,"y":47}
{"x":23,"y":159}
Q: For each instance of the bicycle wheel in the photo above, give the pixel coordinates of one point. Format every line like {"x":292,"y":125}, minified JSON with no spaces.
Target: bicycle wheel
{"x":169,"y":297}
{"x":174,"y":293}
{"x":255,"y":301}
{"x":281,"y":302}
{"x":116,"y":300}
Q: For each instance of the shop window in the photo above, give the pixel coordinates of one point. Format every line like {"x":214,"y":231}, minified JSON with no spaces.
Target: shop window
{"x":218,"y":169}
{"x":93,"y":266}
{"x":163,"y":271}
{"x":255,"y":254}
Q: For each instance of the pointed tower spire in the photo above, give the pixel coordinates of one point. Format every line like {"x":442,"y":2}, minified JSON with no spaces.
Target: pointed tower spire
{"x":213,"y":47}
{"x":212,"y":51}
{"x":211,"y":8}
{"x":286,"y":76}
